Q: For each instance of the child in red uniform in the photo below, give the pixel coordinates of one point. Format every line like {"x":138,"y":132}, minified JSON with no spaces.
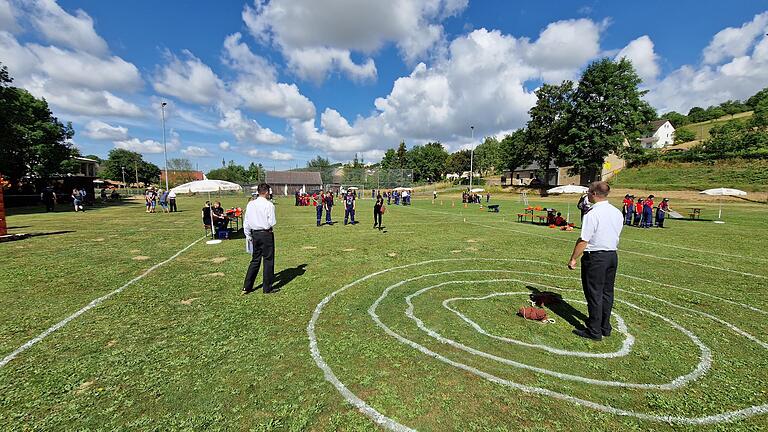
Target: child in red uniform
{"x":647,"y":221}
{"x":628,"y":209}
{"x":638,"y":211}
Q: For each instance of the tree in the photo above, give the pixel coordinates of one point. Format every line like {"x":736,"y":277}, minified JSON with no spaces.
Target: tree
{"x":607,"y":109}
{"x":232,"y":173}
{"x":324,"y":167}
{"x":255,"y":173}
{"x":516,"y":150}
{"x":458,"y":162}
{"x":488,"y":155}
{"x":696,"y":115}
{"x":181,"y":171}
{"x":684,"y":135}
{"x":427,"y":161}
{"x":389,"y":161}
{"x":402,"y":155}
{"x":548,"y":126}
{"x":180,"y":164}
{"x":34,"y":142}
{"x":133,"y":163}
{"x":318,"y":162}
{"x":676,"y":119}
{"x":758,"y":97}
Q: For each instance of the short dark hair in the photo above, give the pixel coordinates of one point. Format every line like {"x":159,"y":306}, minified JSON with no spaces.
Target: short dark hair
{"x":263,"y":188}
{"x":599,"y":188}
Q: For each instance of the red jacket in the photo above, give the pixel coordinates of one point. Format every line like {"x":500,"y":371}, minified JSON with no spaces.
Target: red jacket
{"x":639,"y":207}
{"x":648,"y":203}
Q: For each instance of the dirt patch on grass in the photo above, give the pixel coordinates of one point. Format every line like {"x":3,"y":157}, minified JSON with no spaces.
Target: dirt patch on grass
{"x":189,"y":300}
{"x":219,"y":260}
{"x":140,"y":258}
{"x":217,"y":274}
{"x":471,"y":241}
{"x":391,"y":254}
{"x":456,"y":251}
{"x":348,"y":250}
{"x":135,"y":250}
{"x":308,"y":247}
{"x":471,"y":249}
{"x":82,"y":388}
{"x":111,"y":343}
{"x":100,"y":239}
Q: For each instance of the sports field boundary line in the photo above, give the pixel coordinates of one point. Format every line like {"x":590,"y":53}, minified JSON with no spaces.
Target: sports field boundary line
{"x":89,"y":306}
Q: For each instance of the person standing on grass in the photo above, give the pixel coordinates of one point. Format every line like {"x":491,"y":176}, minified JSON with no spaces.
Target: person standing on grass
{"x":661,"y":212}
{"x":349,"y":208}
{"x":319,"y":202}
{"x":628,"y":209}
{"x":76,"y":200}
{"x":597,"y":247}
{"x":328,"y":207}
{"x":638,"y":212}
{"x":164,"y":200}
{"x":49,"y":198}
{"x":378,"y":210}
{"x":172,"y":201}
{"x":647,"y":220}
{"x":258,"y":223}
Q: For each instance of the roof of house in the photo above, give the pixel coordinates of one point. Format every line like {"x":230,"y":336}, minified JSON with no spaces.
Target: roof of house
{"x":535,"y":166}
{"x":656,"y":124}
{"x":294,"y":178}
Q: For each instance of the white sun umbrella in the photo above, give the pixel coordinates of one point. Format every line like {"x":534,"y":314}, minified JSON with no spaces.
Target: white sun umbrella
{"x":568,"y":189}
{"x":206,"y":185}
{"x":723,"y":192}
{"x":476,"y":190}
{"x":353,"y":188}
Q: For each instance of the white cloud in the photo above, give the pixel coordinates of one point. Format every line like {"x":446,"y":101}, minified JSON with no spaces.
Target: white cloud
{"x":139,"y":146}
{"x":279,"y":156}
{"x":644,"y":59}
{"x":58,"y":26}
{"x":334,"y":124}
{"x":7,"y":17}
{"x":99,"y":130}
{"x":189,"y":80}
{"x":86,"y":70}
{"x":563,"y":47}
{"x":80,"y":101}
{"x":315,"y":41}
{"x":195,"y":151}
{"x":735,"y":42}
{"x":248,"y":130}
{"x":256,"y":85}
{"x":738,"y":75}
{"x":225,"y":145}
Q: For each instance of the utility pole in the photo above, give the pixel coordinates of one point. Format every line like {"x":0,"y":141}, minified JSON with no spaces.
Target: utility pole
{"x":136,"y":171}
{"x":165,"y":150}
{"x":124,"y":185}
{"x":472,"y":159}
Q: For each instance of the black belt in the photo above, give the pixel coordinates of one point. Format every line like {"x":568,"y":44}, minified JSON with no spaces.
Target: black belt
{"x":262,"y":230}
{"x":598,"y":252}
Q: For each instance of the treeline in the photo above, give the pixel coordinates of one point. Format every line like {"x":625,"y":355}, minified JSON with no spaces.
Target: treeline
{"x":235,"y":173}
{"x":745,"y":138}
{"x":713,"y":112}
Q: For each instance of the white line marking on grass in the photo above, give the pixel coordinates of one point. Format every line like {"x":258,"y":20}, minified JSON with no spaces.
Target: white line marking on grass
{"x":88,"y":307}
{"x":391,"y":424}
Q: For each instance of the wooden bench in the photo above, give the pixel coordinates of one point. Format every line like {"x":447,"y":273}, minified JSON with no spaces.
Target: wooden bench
{"x":521,"y":217}
{"x":493,"y":208}
{"x":542,"y":219}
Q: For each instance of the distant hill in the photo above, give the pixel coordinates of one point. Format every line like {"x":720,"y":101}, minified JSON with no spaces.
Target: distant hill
{"x":702,"y":129}
{"x":748,"y":175}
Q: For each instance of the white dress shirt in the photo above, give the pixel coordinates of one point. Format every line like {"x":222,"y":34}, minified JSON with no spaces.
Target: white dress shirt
{"x":601,"y":227}
{"x":259,"y":215}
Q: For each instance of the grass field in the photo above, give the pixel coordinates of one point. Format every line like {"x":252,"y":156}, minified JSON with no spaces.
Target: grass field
{"x":748,"y":175}
{"x":702,"y":129}
{"x":181,"y":349}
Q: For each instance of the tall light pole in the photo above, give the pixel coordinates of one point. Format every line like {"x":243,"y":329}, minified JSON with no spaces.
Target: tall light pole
{"x":165,"y":149}
{"x":472,"y":158}
{"x":124,"y":185}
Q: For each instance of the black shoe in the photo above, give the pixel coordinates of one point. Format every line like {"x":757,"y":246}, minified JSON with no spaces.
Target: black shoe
{"x":272,"y":291}
{"x":607,"y":333}
{"x":587,"y":335}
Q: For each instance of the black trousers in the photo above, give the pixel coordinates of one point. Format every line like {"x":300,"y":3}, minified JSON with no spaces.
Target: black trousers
{"x":172,"y":202}
{"x":376,"y":218}
{"x":263,"y":248}
{"x":598,"y":274}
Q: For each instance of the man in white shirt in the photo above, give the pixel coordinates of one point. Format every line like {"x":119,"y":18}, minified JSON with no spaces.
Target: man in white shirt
{"x":257,"y":225}
{"x":598,"y":243}
{"x":172,"y":201}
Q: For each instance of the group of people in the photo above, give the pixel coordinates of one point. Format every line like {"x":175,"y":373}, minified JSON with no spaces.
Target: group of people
{"x":214,"y":216}
{"x":474,"y":198}
{"x":398,"y":197}
{"x":167,"y":200}
{"x":640,"y":213}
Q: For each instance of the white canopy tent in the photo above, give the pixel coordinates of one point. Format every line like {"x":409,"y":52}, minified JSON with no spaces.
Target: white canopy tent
{"x":568,"y":189}
{"x":208,"y":186}
{"x":476,"y":190}
{"x":722,"y":192}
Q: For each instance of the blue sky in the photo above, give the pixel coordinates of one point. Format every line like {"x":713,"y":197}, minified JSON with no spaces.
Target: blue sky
{"x":282,"y":81}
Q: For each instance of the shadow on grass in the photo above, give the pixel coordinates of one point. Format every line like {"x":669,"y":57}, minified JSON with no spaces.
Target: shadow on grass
{"x":43,"y":234}
{"x":286,"y":276}
{"x":555,"y":303}
{"x":66,"y":208}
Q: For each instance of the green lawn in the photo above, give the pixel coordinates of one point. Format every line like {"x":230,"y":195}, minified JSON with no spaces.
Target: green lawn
{"x":181,"y":349}
{"x":748,"y":175}
{"x":702,"y":129}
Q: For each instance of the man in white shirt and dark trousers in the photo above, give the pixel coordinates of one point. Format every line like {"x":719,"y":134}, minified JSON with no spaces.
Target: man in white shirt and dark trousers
{"x":257,"y":225}
{"x":598,"y":243}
